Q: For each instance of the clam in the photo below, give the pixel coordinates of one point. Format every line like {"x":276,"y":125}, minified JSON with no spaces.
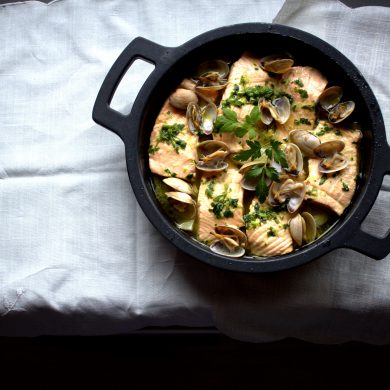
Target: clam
{"x":209,"y":115}
{"x":278,"y":109}
{"x":311,"y":227}
{"x":305,"y":141}
{"x":333,"y":163}
{"x":294,"y":159}
{"x":327,"y":149}
{"x":303,"y":228}
{"x":181,"y":98}
{"x":179,"y":185}
{"x":201,"y":119}
{"x":183,"y":206}
{"x":229,"y":241}
{"x":276,"y":63}
{"x":212,"y":75}
{"x":341,"y":111}
{"x":194,"y":117}
{"x":291,"y":191}
{"x":330,"y":97}
{"x":211,"y":155}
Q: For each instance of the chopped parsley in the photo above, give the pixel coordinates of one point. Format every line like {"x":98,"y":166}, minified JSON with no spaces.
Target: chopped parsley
{"x":252,"y":95}
{"x":323,"y":179}
{"x":345,"y":187}
{"x":153,"y":149}
{"x":285,"y":226}
{"x":302,"y":92}
{"x":223,"y":206}
{"x":168,"y":134}
{"x":325,"y":129}
{"x":169,"y":172}
{"x":190,"y":176}
{"x":302,"y":121}
{"x":309,"y":107}
{"x":298,"y":82}
{"x":210,"y":188}
{"x":258,"y":216}
{"x":272,"y":232}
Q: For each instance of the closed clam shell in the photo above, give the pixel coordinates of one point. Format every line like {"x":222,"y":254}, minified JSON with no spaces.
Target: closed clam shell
{"x":330,"y":97}
{"x":305,"y":141}
{"x":181,"y":98}
{"x":327,"y":149}
{"x":179,"y":185}
{"x":297,"y":228}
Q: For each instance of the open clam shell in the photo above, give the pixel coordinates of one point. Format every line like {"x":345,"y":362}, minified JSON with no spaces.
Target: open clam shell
{"x":276,"y":63}
{"x":179,"y":185}
{"x":341,"y":111}
{"x":212,"y":75}
{"x":249,"y":184}
{"x":278,"y":109}
{"x":330,"y":97}
{"x":294,"y":159}
{"x":311,"y":227}
{"x":305,"y":141}
{"x":291,"y":191}
{"x":229,"y":241}
{"x":194,"y":117}
{"x":334,"y":163}
{"x":183,"y":206}
{"x":327,"y":149}
{"x":211,"y":155}
{"x":209,"y":115}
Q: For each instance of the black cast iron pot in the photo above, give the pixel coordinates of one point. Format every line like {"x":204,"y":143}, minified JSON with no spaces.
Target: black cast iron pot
{"x":173,"y":64}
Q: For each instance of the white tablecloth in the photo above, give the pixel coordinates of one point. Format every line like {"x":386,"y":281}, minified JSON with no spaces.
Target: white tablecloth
{"x":77,"y":255}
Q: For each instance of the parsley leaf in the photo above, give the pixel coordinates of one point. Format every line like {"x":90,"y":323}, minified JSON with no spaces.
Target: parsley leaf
{"x":278,"y":154}
{"x":227,"y":122}
{"x":255,"y":171}
{"x":262,"y":189}
{"x":272,"y":173}
{"x":253,"y":153}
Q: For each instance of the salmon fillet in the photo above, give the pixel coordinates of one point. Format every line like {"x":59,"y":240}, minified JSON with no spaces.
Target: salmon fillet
{"x":210,"y":188}
{"x":164,"y":159}
{"x":305,"y":84}
{"x":270,"y":235}
{"x":247,"y":66}
{"x":337,"y":189}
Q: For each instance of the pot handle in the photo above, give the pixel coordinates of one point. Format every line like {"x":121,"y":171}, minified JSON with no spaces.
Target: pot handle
{"x":363,"y":242}
{"x":102,"y":113}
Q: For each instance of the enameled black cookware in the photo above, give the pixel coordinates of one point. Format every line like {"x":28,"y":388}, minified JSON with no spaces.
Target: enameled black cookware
{"x":173,"y":64}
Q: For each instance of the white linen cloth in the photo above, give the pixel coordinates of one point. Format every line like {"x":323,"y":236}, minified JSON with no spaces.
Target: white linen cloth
{"x":77,"y":255}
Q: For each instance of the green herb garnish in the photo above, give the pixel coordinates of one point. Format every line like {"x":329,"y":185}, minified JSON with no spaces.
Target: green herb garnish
{"x":298,"y":82}
{"x":323,"y":179}
{"x":272,"y":232}
{"x":302,"y":121}
{"x":169,"y":172}
{"x":168,"y":134}
{"x":302,"y":93}
{"x":223,"y":206}
{"x":153,"y":149}
{"x":345,"y":187}
{"x":210,"y":188}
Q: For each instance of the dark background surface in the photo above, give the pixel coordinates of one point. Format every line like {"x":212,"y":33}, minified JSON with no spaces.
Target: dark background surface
{"x":192,"y":359}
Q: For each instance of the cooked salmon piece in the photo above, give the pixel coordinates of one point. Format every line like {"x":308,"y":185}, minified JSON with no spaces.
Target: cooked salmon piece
{"x":248,"y":67}
{"x":172,"y":154}
{"x":334,"y":190}
{"x":305,"y":84}
{"x":267,"y":231}
{"x":219,"y":202}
